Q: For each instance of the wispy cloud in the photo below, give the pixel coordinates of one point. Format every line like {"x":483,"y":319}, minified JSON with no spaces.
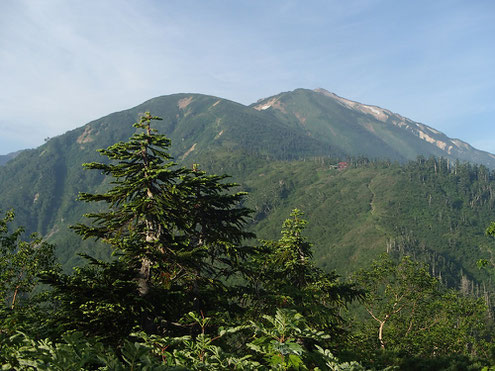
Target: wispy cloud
{"x":66,"y":62}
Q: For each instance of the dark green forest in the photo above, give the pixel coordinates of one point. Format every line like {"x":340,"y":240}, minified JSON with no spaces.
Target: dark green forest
{"x":186,"y":271}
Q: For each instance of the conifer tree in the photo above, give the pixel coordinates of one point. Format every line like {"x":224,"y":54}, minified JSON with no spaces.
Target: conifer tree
{"x":288,"y":278}
{"x":181,"y":227}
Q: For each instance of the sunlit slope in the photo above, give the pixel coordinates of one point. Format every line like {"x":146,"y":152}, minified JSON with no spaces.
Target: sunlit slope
{"x":283,"y":152}
{"x":360,"y":129}
{"x":42,"y":184}
{"x":423,"y":209}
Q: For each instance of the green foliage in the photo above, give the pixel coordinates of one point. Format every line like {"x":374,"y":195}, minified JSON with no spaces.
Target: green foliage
{"x":275,"y":345}
{"x":177,"y":235}
{"x":490,"y":231}
{"x":280,"y":341}
{"x":292,"y":255}
{"x":286,"y":276}
{"x":176,"y":230}
{"x":435,"y":210}
{"x":180,"y":223}
{"x":20,"y":262}
{"x":199,"y":352}
{"x":412,"y":316}
{"x":98,"y":300}
{"x":77,"y":352}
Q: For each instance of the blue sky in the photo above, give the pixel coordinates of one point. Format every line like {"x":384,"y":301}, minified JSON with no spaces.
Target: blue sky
{"x":64,"y":63}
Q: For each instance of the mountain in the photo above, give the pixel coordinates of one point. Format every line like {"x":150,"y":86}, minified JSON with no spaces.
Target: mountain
{"x":358,"y":129}
{"x":284,"y":151}
{"x":6,"y":158}
{"x":429,"y":209}
{"x":42,"y":184}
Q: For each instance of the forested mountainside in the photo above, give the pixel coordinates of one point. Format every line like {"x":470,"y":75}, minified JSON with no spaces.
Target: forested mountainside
{"x":6,"y":158}
{"x":429,"y":209}
{"x":190,"y":289}
{"x":282,"y":151}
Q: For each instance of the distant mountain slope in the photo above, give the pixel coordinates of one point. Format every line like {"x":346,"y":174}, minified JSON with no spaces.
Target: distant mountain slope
{"x":6,"y":158}
{"x":359,"y":129}
{"x":42,"y":184}
{"x":426,"y":209}
{"x":282,"y":150}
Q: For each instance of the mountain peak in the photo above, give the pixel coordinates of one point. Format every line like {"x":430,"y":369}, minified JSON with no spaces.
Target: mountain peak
{"x":362,"y":129}
{"x":377,"y":112}
{"x":325,"y":92}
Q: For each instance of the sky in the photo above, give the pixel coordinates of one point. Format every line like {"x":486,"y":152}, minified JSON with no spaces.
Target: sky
{"x":64,"y":63}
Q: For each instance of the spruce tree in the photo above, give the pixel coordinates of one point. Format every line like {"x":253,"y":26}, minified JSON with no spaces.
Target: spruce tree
{"x":180,"y":227}
{"x":288,"y":278}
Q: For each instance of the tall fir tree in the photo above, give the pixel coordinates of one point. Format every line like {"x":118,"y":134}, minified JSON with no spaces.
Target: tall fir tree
{"x":288,"y":278}
{"x":181,"y":228}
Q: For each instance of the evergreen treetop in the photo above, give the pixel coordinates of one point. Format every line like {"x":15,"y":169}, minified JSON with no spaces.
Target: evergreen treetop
{"x":181,"y":223}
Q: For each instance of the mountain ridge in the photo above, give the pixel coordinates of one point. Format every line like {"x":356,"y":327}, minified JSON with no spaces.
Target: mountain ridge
{"x":284,"y":157}
{"x":379,"y":112}
{"x":364,"y":118}
{"x":376,"y":124}
{"x":9,"y":156}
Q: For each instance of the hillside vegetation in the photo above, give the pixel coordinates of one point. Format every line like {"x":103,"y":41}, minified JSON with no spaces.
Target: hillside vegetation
{"x":188,"y":287}
{"x":284,"y":152}
{"x":6,"y":158}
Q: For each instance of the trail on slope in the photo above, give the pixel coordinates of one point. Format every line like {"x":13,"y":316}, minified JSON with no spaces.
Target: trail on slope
{"x":372,"y":200}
